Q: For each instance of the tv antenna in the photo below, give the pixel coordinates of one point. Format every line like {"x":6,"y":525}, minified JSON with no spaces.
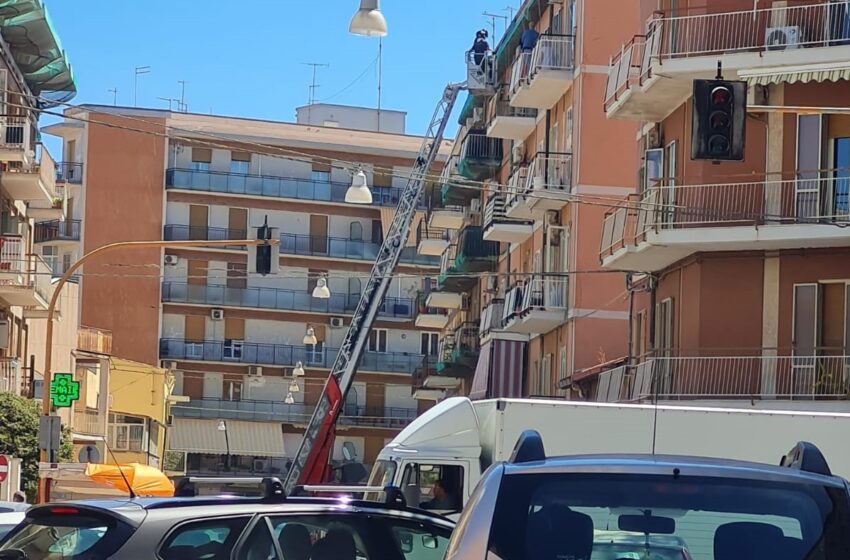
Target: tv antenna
{"x":493,"y":18}
{"x":311,"y":99}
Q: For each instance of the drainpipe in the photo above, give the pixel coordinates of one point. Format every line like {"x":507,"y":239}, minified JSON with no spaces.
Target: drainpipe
{"x":630,"y":344}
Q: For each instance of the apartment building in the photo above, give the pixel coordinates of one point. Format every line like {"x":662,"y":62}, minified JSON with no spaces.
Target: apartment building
{"x":250,"y":353}
{"x":740,"y":270}
{"x":526,"y":301}
{"x":34,"y":74}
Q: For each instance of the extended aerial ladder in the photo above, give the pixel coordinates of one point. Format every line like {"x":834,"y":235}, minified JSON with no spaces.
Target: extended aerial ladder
{"x":311,"y":465}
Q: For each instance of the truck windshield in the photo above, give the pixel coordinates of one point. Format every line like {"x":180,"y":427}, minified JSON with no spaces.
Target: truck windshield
{"x":653,"y":517}
{"x":383,"y":475}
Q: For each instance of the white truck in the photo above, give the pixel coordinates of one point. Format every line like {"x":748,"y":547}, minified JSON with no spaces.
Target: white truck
{"x":455,"y":441}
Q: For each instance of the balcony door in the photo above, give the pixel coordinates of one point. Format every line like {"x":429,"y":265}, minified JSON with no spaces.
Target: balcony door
{"x":198,"y":222}
{"x":841,"y":179}
{"x":318,"y":234}
{"x":821,"y":339}
{"x":808,"y":184}
{"x":557,"y":261}
{"x":237,"y":223}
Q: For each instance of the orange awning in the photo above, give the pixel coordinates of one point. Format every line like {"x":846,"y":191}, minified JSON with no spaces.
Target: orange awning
{"x":145,"y":480}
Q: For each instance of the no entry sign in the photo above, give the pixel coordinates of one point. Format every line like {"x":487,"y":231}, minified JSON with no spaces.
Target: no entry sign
{"x":4,"y":468}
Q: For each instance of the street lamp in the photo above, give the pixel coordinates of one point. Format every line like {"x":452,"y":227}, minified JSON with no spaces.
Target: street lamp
{"x":321,"y":291}
{"x":222,"y":427}
{"x":369,"y":20}
{"x":358,"y":192}
{"x":310,"y":336}
{"x":299,"y":370}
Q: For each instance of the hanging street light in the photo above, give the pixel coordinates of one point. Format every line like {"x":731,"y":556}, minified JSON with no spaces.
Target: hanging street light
{"x":321,"y":291}
{"x":358,"y":192}
{"x":289,"y":399}
{"x":299,"y":370}
{"x":310,"y":336}
{"x":369,"y":20}
{"x":293,"y":387}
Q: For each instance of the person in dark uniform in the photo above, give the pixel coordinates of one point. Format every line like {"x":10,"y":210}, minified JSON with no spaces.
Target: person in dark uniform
{"x":480,"y":47}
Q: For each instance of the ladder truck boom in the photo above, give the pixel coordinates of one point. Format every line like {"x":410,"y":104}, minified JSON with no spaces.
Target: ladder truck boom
{"x":312,"y":462}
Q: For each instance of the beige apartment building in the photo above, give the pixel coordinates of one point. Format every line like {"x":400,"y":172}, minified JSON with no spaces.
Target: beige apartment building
{"x":247,"y":373}
{"x":740,"y":270}
{"x":525,"y":303}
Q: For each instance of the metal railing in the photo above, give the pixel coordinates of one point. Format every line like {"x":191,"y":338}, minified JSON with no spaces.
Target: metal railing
{"x":517,"y":183}
{"x":12,"y":258}
{"x":11,"y":380}
{"x":625,"y":69}
{"x":549,"y":172}
{"x":17,"y":132}
{"x":492,"y":317}
{"x":57,"y":230}
{"x":175,"y":232}
{"x":500,"y":106}
{"x":98,"y":341}
{"x":753,"y":374}
{"x":40,"y":277}
{"x":279,"y":299}
{"x":552,"y":52}
{"x":541,"y":293}
{"x":339,"y":247}
{"x":480,"y":147}
{"x":495,"y":212}
{"x":276,"y":411}
{"x":69,"y":172}
{"x":271,"y":186}
{"x":280,"y":355}
{"x":462,"y":343}
{"x":90,"y":422}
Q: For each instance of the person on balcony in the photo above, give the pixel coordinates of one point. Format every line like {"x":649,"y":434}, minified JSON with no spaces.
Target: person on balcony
{"x":528,"y":39}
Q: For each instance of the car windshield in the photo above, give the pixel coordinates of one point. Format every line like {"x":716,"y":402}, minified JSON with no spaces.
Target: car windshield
{"x":383,"y":474}
{"x":643,"y":517}
{"x":71,"y":534}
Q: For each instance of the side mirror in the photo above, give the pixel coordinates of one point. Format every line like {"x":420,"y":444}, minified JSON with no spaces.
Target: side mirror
{"x":429,"y":542}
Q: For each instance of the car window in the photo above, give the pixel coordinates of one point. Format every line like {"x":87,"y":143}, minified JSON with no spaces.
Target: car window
{"x":640,"y":517}
{"x":204,"y":540}
{"x":417,"y":543}
{"x":65,"y":537}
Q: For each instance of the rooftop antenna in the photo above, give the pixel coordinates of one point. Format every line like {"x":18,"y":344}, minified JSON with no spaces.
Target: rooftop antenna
{"x":493,"y":18}
{"x":313,"y":84}
{"x":140,"y":70}
{"x":181,"y":105}
{"x":170,"y":101}
{"x":510,"y":10}
{"x":114,"y":92}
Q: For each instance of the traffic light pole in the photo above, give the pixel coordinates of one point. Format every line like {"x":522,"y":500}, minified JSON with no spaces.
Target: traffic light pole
{"x":44,"y":486}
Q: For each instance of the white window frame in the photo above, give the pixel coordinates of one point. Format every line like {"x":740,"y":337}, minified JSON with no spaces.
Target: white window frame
{"x":114,"y":428}
{"x":194,"y":350}
{"x":429,"y":345}
{"x":232,"y":349}
{"x":375,"y":340}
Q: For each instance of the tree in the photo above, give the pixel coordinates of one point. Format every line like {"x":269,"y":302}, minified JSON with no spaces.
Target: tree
{"x":19,"y":437}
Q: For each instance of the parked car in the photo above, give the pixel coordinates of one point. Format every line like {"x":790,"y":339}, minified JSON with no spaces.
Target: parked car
{"x":9,"y":520}
{"x":537,"y":508}
{"x":265,"y":527}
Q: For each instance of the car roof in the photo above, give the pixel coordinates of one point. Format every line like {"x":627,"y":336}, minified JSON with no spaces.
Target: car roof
{"x":12,"y":517}
{"x":663,"y":464}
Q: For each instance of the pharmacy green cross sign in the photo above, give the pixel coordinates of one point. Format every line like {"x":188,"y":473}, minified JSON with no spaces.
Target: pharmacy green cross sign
{"x":64,"y":390}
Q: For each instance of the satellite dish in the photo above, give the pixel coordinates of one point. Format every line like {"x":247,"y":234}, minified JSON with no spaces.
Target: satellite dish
{"x":89,"y":454}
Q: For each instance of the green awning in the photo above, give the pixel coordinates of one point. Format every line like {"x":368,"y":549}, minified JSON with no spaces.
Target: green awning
{"x":530,"y":11}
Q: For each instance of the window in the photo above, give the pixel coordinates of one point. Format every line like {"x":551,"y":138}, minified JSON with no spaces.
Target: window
{"x":231,"y":389}
{"x":563,"y":371}
{"x":320,"y":176}
{"x":315,"y":353}
{"x":546,"y":376}
{"x":654,"y":168}
{"x":233,"y":349}
{"x":240,"y":163}
{"x":68,"y":537}
{"x":195,"y":350}
{"x":440,"y":486}
{"x":126,"y":433}
{"x":201,"y":159}
{"x":206,"y":539}
{"x":200,"y":166}
{"x":378,"y":340}
{"x":66,"y":262}
{"x":429,"y":343}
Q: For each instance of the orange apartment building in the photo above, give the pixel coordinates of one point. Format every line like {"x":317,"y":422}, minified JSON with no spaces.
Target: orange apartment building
{"x":247,"y":374}
{"x":526,"y":301}
{"x":740,"y":271}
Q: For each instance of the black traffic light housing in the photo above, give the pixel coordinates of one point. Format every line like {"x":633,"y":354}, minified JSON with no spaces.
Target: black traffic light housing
{"x":264,"y":258}
{"x":719,"y":120}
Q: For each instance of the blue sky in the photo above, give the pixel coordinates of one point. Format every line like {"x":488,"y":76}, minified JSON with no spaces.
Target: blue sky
{"x":245,"y":58}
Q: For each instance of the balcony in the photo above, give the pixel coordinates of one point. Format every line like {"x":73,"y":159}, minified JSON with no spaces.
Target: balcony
{"x":448,"y":217}
{"x":25,"y":280}
{"x":55,"y":209}
{"x":277,"y":411}
{"x":480,"y":157}
{"x":428,"y":384}
{"x":175,"y":232}
{"x":69,"y":172}
{"x":541,"y":77}
{"x":96,"y":341}
{"x":665,"y":224}
{"x":509,"y":122}
{"x":548,"y":186}
{"x":271,"y":186}
{"x":58,"y":232}
{"x":251,"y":353}
{"x":430,"y":317}
{"x":459,"y":352}
{"x":431,"y":241}
{"x":88,"y":422}
{"x":652,"y":74}
{"x":33,"y":181}
{"x":17,"y":138}
{"x":456,"y":191}
{"x":756,"y":374}
{"x":11,"y":380}
{"x":493,"y":324}
{"x":498,"y":227}
{"x":516,"y":208}
{"x":462,"y":262}
{"x":279,"y":300}
{"x":539,"y":306}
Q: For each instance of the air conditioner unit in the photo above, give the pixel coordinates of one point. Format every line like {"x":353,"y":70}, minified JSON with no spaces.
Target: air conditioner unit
{"x":518,"y":154}
{"x":255,"y":371}
{"x":782,"y":38}
{"x":260,"y":465}
{"x":171,"y":260}
{"x":217,"y":314}
{"x":336,"y":322}
{"x":169,"y":365}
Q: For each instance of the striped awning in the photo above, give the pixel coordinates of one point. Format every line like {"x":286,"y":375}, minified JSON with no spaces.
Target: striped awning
{"x":251,"y":439}
{"x":481,"y":379}
{"x":830,"y":72}
{"x":499,"y":370}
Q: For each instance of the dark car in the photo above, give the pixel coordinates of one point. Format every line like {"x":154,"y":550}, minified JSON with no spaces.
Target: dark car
{"x":539,"y":508}
{"x":267,"y":527}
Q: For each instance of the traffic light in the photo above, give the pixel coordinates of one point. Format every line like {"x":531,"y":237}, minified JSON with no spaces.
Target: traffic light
{"x":719,"y":120}
{"x":264,"y":258}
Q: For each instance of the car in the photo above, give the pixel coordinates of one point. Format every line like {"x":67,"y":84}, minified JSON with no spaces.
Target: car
{"x":534,"y":507}
{"x":7,"y":507}
{"x":9,"y":520}
{"x":269,"y":526}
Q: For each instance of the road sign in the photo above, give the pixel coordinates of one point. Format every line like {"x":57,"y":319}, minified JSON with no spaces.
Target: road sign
{"x":89,"y":454}
{"x":49,"y":434}
{"x":4,"y":468}
{"x":64,"y":390}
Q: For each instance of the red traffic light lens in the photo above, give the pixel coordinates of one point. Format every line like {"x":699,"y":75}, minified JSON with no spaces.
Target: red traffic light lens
{"x":719,"y":120}
{"x":721,"y":95}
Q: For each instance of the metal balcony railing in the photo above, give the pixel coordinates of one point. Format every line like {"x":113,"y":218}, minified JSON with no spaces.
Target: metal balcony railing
{"x":12,"y":257}
{"x":740,"y":374}
{"x":460,"y":345}
{"x":549,"y":172}
{"x":11,"y":380}
{"x":495,"y":212}
{"x":280,"y":355}
{"x":17,"y":132}
{"x":98,"y":341}
{"x":541,"y":293}
{"x":500,"y":106}
{"x":272,"y":186}
{"x":552,"y":52}
{"x":69,"y":172}
{"x":89,"y":422}
{"x":58,"y":230}
{"x":278,"y":299}
{"x":203,"y":233}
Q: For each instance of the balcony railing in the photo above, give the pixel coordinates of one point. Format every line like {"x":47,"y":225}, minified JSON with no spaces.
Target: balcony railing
{"x":58,"y":230}
{"x":281,"y":355}
{"x":339,"y":247}
{"x":11,"y":380}
{"x":539,"y":293}
{"x":12,"y":257}
{"x":69,"y":172}
{"x":278,"y":299}
{"x":549,"y":172}
{"x":751,"y":374}
{"x":17,"y":132}
{"x":98,"y":341}
{"x":276,"y":411}
{"x":552,"y":52}
{"x":203,"y":233}
{"x":480,"y":156}
{"x":819,"y":200}
{"x":625,"y":69}
{"x":89,"y":422}
{"x":272,"y":186}
{"x":459,"y":350}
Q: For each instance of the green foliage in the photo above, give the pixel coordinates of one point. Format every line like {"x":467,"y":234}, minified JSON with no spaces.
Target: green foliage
{"x":19,"y":437}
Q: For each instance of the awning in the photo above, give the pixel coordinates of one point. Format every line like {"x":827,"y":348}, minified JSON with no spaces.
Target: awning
{"x":387,"y":215}
{"x":830,"y":72}
{"x":506,"y":377}
{"x":481,"y":379}
{"x":252,"y":439}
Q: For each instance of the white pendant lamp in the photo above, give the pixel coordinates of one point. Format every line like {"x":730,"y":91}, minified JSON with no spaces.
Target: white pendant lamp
{"x":321,"y":291}
{"x":358,"y":192}
{"x":310,"y":336}
{"x":369,"y":21}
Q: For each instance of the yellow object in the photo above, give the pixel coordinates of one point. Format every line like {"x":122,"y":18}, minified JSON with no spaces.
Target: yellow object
{"x":145,"y":480}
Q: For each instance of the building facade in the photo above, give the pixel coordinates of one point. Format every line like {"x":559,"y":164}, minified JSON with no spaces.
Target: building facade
{"x":237,"y":342}
{"x":740,"y":270}
{"x":524,"y":198}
